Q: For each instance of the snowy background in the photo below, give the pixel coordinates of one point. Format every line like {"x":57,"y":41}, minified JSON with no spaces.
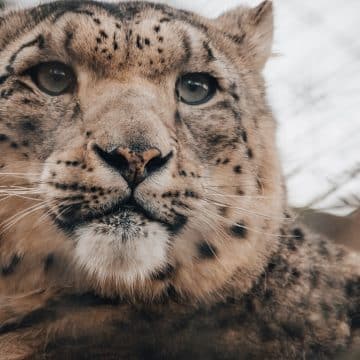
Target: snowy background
{"x":314,"y":89}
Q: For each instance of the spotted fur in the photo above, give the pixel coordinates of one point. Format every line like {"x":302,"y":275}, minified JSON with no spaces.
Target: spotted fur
{"x":189,"y":250}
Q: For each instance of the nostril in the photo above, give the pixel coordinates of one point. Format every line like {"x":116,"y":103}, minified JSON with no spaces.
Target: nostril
{"x":157,"y":163}
{"x":113,"y":158}
{"x":134,"y":167}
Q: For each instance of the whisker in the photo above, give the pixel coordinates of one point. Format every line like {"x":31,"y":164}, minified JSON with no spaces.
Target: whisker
{"x":49,"y":212}
{"x":241,"y":196}
{"x":4,"y":198}
{"x":22,"y":197}
{"x":29,"y":211}
{"x":19,"y":173}
{"x":251,"y":229}
{"x":243,"y":210}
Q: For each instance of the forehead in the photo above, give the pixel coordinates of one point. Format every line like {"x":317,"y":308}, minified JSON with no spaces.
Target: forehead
{"x":144,"y":37}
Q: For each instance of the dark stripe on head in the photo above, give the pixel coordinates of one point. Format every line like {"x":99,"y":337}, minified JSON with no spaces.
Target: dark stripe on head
{"x":68,"y":39}
{"x":187,"y":48}
{"x":209,"y":53}
{"x":59,"y":15}
{"x":237,"y":39}
{"x":39,"y":41}
{"x":122,"y":11}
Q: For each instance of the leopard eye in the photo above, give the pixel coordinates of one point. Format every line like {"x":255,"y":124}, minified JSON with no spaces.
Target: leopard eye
{"x":196,"y":88}
{"x":53,"y":78}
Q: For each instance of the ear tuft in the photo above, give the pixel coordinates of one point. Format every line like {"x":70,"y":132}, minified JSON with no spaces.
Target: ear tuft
{"x":251,"y":29}
{"x":262,"y":12}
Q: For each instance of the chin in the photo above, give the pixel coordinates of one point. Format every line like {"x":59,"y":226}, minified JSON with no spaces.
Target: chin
{"x":122,"y":248}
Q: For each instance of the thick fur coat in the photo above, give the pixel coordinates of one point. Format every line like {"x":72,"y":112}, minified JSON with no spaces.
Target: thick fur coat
{"x":134,"y":225}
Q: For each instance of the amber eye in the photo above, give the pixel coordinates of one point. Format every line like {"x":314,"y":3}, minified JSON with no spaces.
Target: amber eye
{"x":196,"y":88}
{"x":53,"y":78}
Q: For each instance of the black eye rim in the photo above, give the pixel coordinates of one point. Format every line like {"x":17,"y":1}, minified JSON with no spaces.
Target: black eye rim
{"x":33,"y":73}
{"x":213,"y":87}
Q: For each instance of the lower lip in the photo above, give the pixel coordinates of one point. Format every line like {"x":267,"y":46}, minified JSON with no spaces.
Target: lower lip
{"x":75,"y":221}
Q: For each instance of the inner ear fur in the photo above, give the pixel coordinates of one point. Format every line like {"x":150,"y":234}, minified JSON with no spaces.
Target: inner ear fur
{"x":252,"y":30}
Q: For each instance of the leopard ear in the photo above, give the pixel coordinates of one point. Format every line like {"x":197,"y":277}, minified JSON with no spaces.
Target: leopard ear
{"x":252,"y":30}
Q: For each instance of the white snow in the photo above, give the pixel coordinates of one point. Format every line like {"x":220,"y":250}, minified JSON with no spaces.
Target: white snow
{"x":314,"y":88}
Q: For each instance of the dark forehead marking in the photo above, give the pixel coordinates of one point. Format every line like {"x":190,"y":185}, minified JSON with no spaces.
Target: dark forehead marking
{"x":43,"y":11}
{"x":209,"y":53}
{"x":68,"y":39}
{"x":39,"y":41}
{"x":80,"y":12}
{"x":122,"y":11}
{"x":187,"y":48}
{"x":237,"y":39}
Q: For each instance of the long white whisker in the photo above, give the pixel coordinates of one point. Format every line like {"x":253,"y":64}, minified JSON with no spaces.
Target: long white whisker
{"x":242,"y":209}
{"x":251,"y":229}
{"x":23,"y":197}
{"x":33,"y":209}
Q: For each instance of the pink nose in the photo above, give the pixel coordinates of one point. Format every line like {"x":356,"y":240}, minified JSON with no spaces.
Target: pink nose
{"x":134,"y":166}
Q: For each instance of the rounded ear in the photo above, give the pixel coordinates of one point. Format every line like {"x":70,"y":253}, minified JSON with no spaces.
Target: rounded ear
{"x":252,"y":30}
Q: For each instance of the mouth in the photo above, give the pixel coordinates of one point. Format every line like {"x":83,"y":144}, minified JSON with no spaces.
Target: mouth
{"x":72,"y":218}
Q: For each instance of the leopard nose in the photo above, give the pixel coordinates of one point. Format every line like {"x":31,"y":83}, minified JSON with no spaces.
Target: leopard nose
{"x":134,"y":166}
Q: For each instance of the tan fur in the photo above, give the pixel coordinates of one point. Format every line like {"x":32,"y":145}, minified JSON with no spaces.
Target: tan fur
{"x":224,"y":178}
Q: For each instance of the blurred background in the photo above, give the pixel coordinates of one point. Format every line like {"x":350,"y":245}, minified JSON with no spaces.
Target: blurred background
{"x":314,"y":89}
